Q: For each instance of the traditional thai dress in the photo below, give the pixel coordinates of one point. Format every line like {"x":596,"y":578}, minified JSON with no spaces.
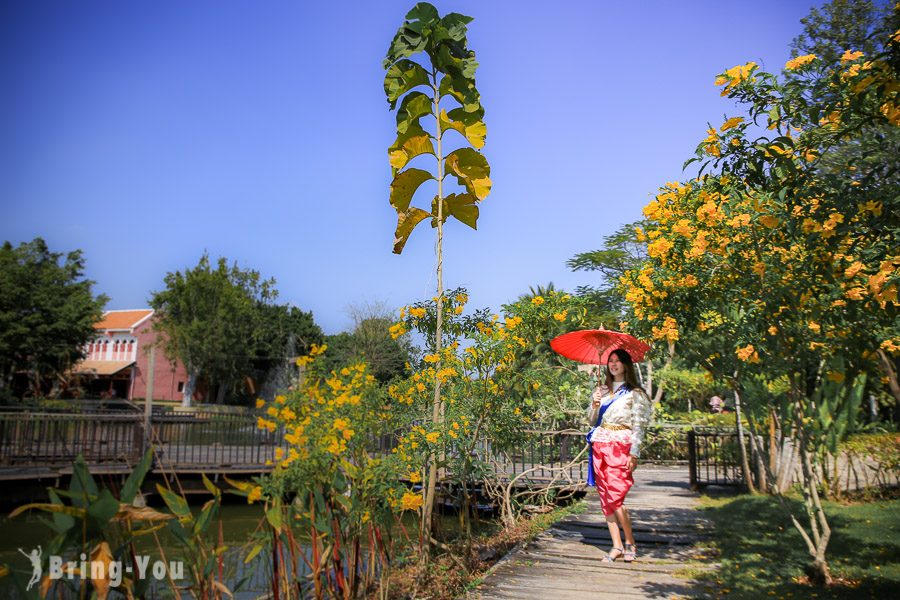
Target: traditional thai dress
{"x":619,"y":424}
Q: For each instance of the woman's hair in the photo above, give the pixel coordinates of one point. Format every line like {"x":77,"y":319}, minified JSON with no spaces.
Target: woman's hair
{"x":631,"y":380}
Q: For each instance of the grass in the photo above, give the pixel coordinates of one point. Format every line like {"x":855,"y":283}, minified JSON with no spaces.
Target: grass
{"x":763,"y":556}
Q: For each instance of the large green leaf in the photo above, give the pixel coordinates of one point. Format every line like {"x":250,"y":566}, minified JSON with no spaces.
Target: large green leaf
{"x":456,"y":25}
{"x":401,"y":77}
{"x":211,"y":487}
{"x":413,"y":107}
{"x":414,"y":142}
{"x":133,"y":484}
{"x":404,"y":186}
{"x":462,"y":90}
{"x":406,"y":222}
{"x":468,"y":124}
{"x":423,"y":12}
{"x":102,"y":510}
{"x":62,"y":522}
{"x":471,"y":170}
{"x":275,"y":516}
{"x":463,"y":207}
{"x":82,"y":486}
{"x":457,"y":66}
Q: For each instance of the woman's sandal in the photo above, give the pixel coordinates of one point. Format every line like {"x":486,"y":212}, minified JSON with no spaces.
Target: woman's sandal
{"x":609,"y":555}
{"x":630,"y":553}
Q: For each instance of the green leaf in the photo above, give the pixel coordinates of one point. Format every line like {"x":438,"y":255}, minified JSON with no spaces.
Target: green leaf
{"x":82,"y":487}
{"x":456,"y":66}
{"x":456,"y":25}
{"x":62,"y":522}
{"x":406,"y":222}
{"x":463,"y":207}
{"x":401,"y":77}
{"x":471,"y":170}
{"x":404,"y":186}
{"x":253,"y":552}
{"x":413,"y":107}
{"x":206,"y":516}
{"x":467,"y":124}
{"x":414,"y":142}
{"x":102,"y":510}
{"x":50,"y":508}
{"x":133,"y":484}
{"x":423,"y":12}
{"x":461,"y":90}
{"x":211,"y":487}
{"x":176,"y":503}
{"x":274,"y":516}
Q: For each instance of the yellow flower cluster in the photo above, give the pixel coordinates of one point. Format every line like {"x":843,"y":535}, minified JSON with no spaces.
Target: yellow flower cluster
{"x":747,"y":354}
{"x":734,"y":76}
{"x":667,"y":331}
{"x":799,"y":61}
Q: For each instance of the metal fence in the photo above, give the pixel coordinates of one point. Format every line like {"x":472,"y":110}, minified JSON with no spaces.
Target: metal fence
{"x":714,"y":458}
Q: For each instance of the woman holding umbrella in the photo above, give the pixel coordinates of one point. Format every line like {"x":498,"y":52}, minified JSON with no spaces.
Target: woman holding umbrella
{"x":619,"y":413}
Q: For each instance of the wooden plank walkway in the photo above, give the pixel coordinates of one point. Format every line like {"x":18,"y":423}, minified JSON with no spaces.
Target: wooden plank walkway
{"x":564,"y":562}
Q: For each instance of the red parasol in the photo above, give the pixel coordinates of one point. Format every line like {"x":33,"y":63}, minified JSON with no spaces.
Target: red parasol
{"x":593,"y":346}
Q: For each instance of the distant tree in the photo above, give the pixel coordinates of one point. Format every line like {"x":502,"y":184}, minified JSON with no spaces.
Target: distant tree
{"x":47,"y":313}
{"x":621,"y":251}
{"x":212,"y":321}
{"x":285,"y":333}
{"x":370,"y":341}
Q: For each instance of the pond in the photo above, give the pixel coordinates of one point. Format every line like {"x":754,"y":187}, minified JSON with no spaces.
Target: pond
{"x":241,"y":523}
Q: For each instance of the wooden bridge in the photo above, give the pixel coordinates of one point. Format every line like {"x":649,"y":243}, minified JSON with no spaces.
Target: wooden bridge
{"x":564,"y":561}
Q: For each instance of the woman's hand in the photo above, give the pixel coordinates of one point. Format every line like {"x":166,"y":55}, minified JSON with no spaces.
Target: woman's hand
{"x":598,"y":395}
{"x":632,"y":463}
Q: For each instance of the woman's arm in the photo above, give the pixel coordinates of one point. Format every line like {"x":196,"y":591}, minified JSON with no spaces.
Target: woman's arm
{"x":641,"y":411}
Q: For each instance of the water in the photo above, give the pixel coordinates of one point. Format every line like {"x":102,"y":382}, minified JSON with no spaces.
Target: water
{"x":241,"y":523}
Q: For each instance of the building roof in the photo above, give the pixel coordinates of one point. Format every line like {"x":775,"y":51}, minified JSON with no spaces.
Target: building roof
{"x":123,"y":320}
{"x":101,"y":367}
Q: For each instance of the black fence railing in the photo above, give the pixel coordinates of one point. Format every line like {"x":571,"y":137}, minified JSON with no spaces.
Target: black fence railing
{"x":714,"y":458}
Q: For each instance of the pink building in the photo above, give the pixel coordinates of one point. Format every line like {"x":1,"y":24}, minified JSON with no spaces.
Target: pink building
{"x":117,"y":360}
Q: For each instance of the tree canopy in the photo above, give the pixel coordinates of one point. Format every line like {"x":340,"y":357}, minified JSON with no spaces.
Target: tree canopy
{"x":221,"y":322}
{"x":47,"y":313}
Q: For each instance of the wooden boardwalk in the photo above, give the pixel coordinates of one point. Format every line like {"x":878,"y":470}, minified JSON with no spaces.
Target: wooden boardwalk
{"x":564,"y":562}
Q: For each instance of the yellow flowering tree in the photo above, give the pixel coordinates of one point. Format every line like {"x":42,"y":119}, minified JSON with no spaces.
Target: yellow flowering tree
{"x":444,"y":80}
{"x":777,"y":265}
{"x":346,"y":492}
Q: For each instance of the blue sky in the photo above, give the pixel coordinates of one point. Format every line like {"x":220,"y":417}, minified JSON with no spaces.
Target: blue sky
{"x":145,"y":133}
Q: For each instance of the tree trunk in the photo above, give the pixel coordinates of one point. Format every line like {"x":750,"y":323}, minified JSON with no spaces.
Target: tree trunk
{"x":888,"y":365}
{"x":745,"y":463}
{"x":189,"y":385}
{"x":437,"y":407}
{"x":220,"y":393}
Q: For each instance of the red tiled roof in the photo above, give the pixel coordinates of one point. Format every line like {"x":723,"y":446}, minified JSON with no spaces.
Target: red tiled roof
{"x":122,"y":319}
{"x":101,"y":367}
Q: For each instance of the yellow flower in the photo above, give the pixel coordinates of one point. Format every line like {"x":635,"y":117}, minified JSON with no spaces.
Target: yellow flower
{"x":773,"y":330}
{"x":254,"y":495}
{"x":417,"y":312}
{"x":813,"y":326}
{"x":458,"y":310}
{"x":769,"y":221}
{"x":747,"y":354}
{"x":853,"y":269}
{"x":414,"y":477}
{"x":537,"y":300}
{"x":260,"y":403}
{"x":851,"y":55}
{"x":462,"y":298}
{"x":731,"y":123}
{"x":431,"y":358}
{"x":560,"y":316}
{"x":796,"y":63}
{"x":432,"y":437}
{"x":411,"y":501}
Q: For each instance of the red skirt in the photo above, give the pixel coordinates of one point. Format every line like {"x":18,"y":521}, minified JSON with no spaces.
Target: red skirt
{"x":611,"y":474}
